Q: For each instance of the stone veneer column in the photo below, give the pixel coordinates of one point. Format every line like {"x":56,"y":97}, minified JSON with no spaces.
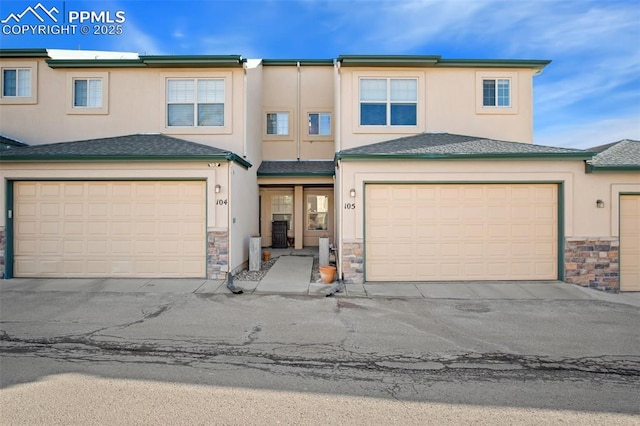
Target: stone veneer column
{"x":592,"y":262}
{"x":217,"y":254}
{"x":352,"y":263}
{"x":3,"y":240}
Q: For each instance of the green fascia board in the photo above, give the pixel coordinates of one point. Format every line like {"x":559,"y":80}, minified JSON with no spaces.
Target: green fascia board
{"x":294,"y":62}
{"x":489,"y":156}
{"x":109,"y":158}
{"x":24,"y":53}
{"x":589,"y":168}
{"x":193,"y":61}
{"x":296,"y":174}
{"x":388,"y":60}
{"x":494,"y":63}
{"x":94,"y":63}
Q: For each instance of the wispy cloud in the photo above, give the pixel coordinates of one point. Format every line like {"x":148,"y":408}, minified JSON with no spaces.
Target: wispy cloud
{"x":589,"y":133}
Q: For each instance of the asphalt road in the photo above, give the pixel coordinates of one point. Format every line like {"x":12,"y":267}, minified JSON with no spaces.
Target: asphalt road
{"x":151,"y":358}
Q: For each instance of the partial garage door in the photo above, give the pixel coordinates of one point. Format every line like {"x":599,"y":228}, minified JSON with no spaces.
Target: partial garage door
{"x":425,"y":232}
{"x":110,"y":229}
{"x":630,"y":243}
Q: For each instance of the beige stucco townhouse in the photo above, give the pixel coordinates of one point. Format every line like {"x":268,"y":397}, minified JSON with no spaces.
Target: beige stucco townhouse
{"x":417,"y":168}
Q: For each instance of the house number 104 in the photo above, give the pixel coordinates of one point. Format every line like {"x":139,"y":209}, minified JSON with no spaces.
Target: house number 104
{"x":221,"y":202}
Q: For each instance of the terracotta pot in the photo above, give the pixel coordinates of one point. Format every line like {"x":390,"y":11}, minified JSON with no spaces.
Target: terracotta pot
{"x":327,"y":274}
{"x":266,"y":255}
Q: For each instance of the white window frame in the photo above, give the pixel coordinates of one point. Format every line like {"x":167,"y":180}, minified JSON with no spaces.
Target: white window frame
{"x":89,"y":103}
{"x":32,"y":97}
{"x":74,"y":76}
{"x":18,"y":86}
{"x":388,"y":101}
{"x":278,"y":110}
{"x":195,"y":102}
{"x":319,"y":114}
{"x":496,"y":92}
{"x":279,"y":123}
{"x":512,"y":77}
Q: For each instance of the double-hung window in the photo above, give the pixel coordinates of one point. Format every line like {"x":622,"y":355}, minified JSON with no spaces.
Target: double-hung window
{"x":319,"y":124}
{"x":388,"y":101}
{"x":277,"y":123}
{"x":496,"y":92}
{"x":195,"y":102}
{"x":16,"y":82}
{"x":87,"y":93}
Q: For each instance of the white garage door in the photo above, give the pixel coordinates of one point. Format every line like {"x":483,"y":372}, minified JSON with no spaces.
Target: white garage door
{"x":110,"y":229}
{"x":630,"y":243}
{"x":425,"y":232}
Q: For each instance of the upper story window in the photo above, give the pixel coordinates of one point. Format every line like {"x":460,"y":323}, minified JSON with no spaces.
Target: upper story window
{"x":16,"y":82}
{"x":496,"y":92}
{"x":320,"y":123}
{"x":388,"y":101}
{"x":195,"y":102}
{"x":277,"y":123}
{"x":87,"y":93}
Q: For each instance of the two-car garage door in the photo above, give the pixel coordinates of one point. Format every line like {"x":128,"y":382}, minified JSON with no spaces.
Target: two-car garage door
{"x":110,"y":229}
{"x":451,"y":232}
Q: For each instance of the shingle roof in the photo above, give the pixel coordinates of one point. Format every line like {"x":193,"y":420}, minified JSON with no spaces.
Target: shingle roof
{"x":6,"y":143}
{"x":446,"y":145}
{"x":624,"y":154}
{"x":296,"y":168}
{"x":131,"y":147}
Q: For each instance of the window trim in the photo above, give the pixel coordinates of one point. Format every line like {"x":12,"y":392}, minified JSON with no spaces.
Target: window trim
{"x":195,"y":102}
{"x":421,"y":88}
{"x":72,"y":77}
{"x":32,"y":66}
{"x":292,"y":124}
{"x":306,"y":116}
{"x":163,"y":116}
{"x":481,"y":77}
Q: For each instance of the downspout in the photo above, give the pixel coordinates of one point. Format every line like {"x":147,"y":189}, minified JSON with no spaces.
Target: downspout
{"x":230,"y":219}
{"x":246,"y":109}
{"x":337,"y":104}
{"x":298,"y":113}
{"x":338,"y":181}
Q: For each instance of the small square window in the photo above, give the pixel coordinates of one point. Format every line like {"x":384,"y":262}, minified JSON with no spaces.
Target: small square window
{"x":87,"y":93}
{"x":277,"y":123}
{"x":320,"y":124}
{"x":16,"y":82}
{"x":496,"y":92}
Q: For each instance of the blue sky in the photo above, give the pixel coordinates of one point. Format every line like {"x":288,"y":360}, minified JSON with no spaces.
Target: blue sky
{"x":588,"y":95}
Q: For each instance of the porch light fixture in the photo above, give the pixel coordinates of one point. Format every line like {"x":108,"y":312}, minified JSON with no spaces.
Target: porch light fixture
{"x":600,"y":204}
{"x":352,"y":193}
{"x":217,"y":188}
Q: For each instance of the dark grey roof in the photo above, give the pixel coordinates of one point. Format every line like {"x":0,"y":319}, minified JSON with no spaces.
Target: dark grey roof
{"x":6,"y":143}
{"x":624,"y":154}
{"x":131,"y":147}
{"x":446,"y":145}
{"x":296,"y":168}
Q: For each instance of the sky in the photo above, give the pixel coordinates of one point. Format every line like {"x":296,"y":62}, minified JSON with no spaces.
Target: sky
{"x":589,"y":95}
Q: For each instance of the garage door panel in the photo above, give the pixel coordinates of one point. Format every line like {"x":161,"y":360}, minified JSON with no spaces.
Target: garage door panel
{"x":630,"y":242}
{"x":495,"y":231}
{"x":87,"y":229}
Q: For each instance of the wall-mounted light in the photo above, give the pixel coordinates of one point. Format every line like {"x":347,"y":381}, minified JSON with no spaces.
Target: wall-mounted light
{"x":600,"y":204}
{"x":217,"y":188}
{"x":352,"y":192}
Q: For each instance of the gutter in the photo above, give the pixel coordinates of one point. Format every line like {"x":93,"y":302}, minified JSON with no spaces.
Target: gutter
{"x":468,"y":156}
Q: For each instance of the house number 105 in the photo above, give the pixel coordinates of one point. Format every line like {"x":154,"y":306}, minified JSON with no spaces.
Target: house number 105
{"x":349,"y":206}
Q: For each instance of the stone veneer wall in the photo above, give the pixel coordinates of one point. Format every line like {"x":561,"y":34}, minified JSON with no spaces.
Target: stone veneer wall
{"x":592,"y":262}
{"x":352,"y":263}
{"x":217,"y":254}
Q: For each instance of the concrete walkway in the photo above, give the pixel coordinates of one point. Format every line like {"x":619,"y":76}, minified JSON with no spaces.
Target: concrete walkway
{"x":291,"y":275}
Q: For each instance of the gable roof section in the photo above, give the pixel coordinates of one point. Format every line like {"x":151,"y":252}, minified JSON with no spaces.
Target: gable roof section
{"x":618,"y":156}
{"x":296,"y":168}
{"x":141,"y":147}
{"x":449,"y":146}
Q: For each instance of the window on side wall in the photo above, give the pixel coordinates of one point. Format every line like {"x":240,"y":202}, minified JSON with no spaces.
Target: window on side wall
{"x":195,"y":102}
{"x":319,"y":124}
{"x":87,"y":93}
{"x":388,"y":102}
{"x":277,"y":123}
{"x":496,"y":92}
{"x":16,"y":82}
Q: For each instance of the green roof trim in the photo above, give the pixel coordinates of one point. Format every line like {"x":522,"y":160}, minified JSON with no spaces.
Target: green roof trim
{"x":467,"y":156}
{"x":24,"y":53}
{"x":590,"y":168}
{"x":192,"y":61}
{"x":294,"y":62}
{"x":436,"y":61}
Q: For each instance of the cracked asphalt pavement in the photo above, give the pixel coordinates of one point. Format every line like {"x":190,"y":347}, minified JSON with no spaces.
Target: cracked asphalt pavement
{"x":122,"y":358}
